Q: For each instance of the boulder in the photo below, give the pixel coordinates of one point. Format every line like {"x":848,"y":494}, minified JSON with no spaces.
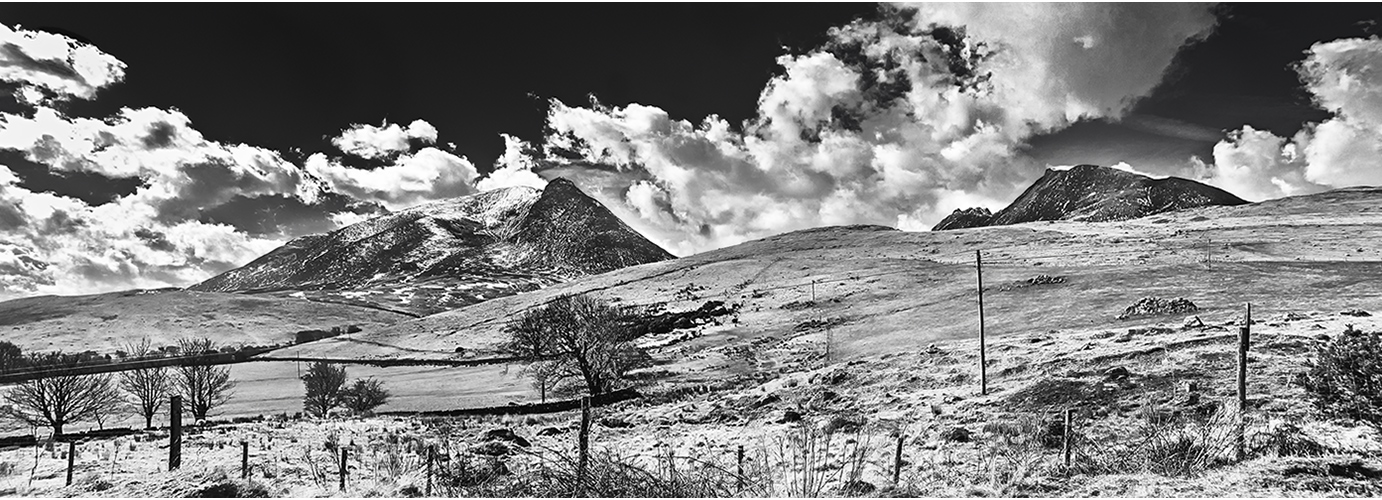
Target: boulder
{"x":789,"y":416}
{"x":505,"y":435}
{"x":1155,"y":306}
{"x":491,"y":449}
{"x":956,"y":434}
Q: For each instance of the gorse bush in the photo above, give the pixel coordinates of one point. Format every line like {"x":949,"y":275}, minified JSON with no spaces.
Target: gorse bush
{"x":1345,"y":379}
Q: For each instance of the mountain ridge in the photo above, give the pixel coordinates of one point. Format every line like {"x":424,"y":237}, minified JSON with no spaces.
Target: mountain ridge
{"x":451,"y":253}
{"x":1093,"y":193}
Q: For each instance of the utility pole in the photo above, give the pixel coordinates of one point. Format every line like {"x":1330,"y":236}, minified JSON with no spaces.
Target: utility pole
{"x":1244,"y":335}
{"x":983,"y":359}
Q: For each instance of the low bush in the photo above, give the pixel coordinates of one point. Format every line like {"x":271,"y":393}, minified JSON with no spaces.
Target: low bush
{"x":1345,"y":378}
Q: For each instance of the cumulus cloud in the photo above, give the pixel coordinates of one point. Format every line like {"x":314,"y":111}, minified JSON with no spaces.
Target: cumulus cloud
{"x":387,"y":140}
{"x":514,"y":168}
{"x":428,"y":175}
{"x":893,"y":121}
{"x":1345,"y":78}
{"x":49,"y":66}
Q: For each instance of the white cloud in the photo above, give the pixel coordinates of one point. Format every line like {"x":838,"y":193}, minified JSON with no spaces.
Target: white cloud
{"x":369,"y":141}
{"x":514,"y":168}
{"x":56,"y":64}
{"x":1345,"y":77}
{"x":893,"y":122}
{"x":428,"y":175}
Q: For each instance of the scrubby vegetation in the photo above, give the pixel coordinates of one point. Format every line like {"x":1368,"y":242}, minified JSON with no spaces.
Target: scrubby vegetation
{"x":1345,"y":379}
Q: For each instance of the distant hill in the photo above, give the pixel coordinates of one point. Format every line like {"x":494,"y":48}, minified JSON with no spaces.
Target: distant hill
{"x":451,"y":253}
{"x":1095,"y":194}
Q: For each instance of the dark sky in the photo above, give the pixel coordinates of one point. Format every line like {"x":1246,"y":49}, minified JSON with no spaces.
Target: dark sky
{"x":286,"y":75}
{"x":1241,"y":74}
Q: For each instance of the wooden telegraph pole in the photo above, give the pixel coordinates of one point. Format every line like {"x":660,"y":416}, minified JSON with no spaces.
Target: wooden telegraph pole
{"x":1244,"y":335}
{"x":983,"y":359}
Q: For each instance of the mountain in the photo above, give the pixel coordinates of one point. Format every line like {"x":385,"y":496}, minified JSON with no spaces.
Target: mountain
{"x":1094,"y":194}
{"x":451,"y":253}
{"x":963,"y":218}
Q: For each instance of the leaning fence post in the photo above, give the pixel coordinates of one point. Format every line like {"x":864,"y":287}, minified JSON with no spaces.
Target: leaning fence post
{"x":431,"y":457}
{"x":244,"y":459}
{"x":584,"y":443}
{"x":71,"y":459}
{"x":897,"y":459}
{"x":175,"y":433}
{"x":1065,"y":441}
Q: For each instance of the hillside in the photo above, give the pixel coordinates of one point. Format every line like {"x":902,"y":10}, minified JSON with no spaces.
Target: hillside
{"x":105,"y":322}
{"x":884,"y":289}
{"x":1095,"y":194}
{"x":451,"y":253}
{"x":896,"y":312}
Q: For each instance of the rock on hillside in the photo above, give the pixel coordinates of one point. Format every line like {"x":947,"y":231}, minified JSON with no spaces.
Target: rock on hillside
{"x":451,"y":253}
{"x":1095,"y":194}
{"x":965,"y":218}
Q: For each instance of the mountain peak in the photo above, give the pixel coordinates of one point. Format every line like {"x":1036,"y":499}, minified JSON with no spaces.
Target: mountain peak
{"x":452,"y":252}
{"x":1094,"y":193}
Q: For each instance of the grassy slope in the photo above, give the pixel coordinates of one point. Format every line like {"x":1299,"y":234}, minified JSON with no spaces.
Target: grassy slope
{"x":904,"y":345}
{"x":105,"y":322}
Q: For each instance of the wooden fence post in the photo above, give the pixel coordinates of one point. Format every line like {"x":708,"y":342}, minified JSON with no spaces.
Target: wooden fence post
{"x":583,"y":459}
{"x":739,"y":457}
{"x":345,"y":452}
{"x":431,"y":458}
{"x":175,"y":433}
{"x":1244,"y":334}
{"x":897,"y":459}
{"x":244,"y":459}
{"x":983,"y":359}
{"x":71,"y":459}
{"x":1069,"y":434}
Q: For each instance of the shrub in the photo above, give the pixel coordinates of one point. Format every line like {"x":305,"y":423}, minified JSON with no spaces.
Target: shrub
{"x":1174,"y":447}
{"x":1345,"y":379}
{"x":364,"y":395}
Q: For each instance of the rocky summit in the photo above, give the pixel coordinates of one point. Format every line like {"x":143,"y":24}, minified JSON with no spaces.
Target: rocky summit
{"x":451,"y":253}
{"x":1094,"y":194}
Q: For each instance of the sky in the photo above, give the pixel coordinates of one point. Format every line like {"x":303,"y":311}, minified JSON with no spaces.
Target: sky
{"x":155,"y":145}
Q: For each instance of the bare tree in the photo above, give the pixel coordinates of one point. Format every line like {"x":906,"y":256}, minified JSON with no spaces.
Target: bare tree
{"x":546,"y":375}
{"x":204,"y":387}
{"x":323,"y":382}
{"x":61,"y":398}
{"x":582,"y":337}
{"x":147,"y":388}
